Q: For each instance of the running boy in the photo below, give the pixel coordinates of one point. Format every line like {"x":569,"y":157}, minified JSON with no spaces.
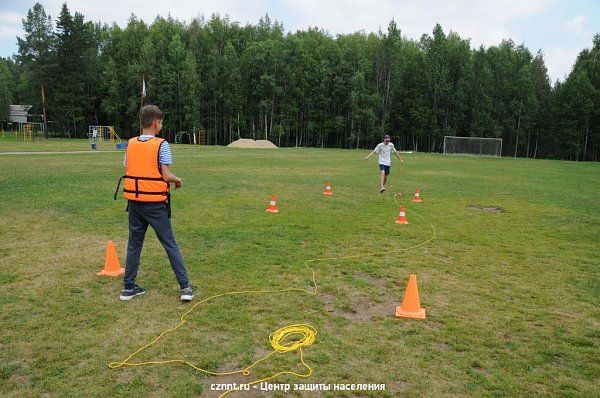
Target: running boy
{"x":384,"y":149}
{"x":147,"y":177}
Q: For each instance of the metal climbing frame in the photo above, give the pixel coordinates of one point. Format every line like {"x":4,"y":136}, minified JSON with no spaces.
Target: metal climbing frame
{"x":103,"y":133}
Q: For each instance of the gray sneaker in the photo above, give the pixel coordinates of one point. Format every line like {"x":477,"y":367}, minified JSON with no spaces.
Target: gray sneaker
{"x":187,"y":294}
{"x":128,"y":294}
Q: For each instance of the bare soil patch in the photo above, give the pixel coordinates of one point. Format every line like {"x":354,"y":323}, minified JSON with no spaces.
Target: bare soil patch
{"x":486,"y":209}
{"x":250,"y":143}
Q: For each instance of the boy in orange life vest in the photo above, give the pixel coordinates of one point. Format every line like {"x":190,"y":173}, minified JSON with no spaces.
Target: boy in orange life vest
{"x":147,"y":177}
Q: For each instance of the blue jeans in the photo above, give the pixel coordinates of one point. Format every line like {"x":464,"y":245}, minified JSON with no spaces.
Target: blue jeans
{"x":155,"y":214}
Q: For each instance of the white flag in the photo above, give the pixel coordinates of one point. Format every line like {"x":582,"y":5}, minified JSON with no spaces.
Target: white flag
{"x":143,"y":88}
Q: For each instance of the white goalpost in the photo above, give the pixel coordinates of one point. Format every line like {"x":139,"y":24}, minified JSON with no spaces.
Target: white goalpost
{"x":472,"y":146}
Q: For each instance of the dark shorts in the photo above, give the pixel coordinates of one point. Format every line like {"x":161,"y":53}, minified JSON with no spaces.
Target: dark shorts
{"x":385,"y":168}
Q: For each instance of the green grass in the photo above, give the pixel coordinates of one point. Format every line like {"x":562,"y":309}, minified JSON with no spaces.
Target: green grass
{"x":512,"y":298}
{"x":9,"y":142}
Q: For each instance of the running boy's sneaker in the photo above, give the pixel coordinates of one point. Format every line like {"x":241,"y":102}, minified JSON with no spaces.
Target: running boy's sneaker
{"x":187,"y":294}
{"x":128,"y":294}
{"x":382,"y":190}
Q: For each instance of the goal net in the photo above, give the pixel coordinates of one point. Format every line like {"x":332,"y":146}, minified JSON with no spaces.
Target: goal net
{"x":472,"y":146}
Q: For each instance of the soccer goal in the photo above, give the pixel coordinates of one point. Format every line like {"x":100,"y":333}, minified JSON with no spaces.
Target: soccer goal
{"x":472,"y":146}
{"x":179,"y":137}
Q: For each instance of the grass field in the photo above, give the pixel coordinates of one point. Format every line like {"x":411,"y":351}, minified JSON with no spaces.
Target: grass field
{"x":512,"y":296}
{"x":9,"y":142}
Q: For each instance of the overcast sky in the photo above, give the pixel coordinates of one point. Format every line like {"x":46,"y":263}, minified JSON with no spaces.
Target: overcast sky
{"x":561,"y":29}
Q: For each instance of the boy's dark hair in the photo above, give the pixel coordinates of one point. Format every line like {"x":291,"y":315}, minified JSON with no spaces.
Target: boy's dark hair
{"x":148,"y":114}
{"x":386,"y":137}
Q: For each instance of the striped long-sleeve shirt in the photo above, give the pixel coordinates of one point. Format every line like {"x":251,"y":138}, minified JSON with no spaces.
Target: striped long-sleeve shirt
{"x":164,"y":155}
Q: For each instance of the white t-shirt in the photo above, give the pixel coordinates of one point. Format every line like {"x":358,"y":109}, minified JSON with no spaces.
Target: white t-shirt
{"x":385,"y":152}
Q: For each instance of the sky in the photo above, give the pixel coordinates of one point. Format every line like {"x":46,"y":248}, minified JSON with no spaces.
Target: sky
{"x":559,"y":28}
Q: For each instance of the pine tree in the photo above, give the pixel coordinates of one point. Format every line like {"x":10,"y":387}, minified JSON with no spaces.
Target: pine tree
{"x":37,"y":56}
{"x":7,"y":87}
{"x":73,"y":39}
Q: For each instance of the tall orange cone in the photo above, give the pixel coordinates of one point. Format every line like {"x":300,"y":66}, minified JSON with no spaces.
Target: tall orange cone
{"x":328,"y":189}
{"x":401,"y":219}
{"x":273,"y":205}
{"x":411,"y":307}
{"x":417,"y":197}
{"x":112,"y":267}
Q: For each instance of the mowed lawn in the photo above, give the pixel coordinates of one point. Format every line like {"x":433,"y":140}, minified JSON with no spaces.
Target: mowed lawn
{"x":512,"y":293}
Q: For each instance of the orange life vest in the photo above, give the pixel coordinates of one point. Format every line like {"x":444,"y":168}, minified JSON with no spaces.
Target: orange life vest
{"x":143,"y":176}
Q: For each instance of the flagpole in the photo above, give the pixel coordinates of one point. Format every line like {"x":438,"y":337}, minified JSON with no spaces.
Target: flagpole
{"x":44,"y":109}
{"x":142,"y":96}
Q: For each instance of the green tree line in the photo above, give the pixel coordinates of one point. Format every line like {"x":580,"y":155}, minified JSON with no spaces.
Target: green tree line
{"x":307,"y":88}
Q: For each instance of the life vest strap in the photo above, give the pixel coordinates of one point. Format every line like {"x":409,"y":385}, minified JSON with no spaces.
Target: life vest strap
{"x":144,"y":178}
{"x":138,"y":192}
{"x":145,"y":192}
{"x":118,"y":186}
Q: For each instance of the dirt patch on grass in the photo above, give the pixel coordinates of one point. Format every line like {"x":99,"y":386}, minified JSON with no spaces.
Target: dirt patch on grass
{"x":125,"y":377}
{"x":442,"y":347}
{"x":357,"y":308}
{"x":486,"y":209}
{"x":327,"y":301}
{"x":483,"y":371}
{"x":379,"y":283}
{"x":375,"y":311}
{"x":434,"y":325}
{"x":396,"y":386}
{"x":229,"y":382}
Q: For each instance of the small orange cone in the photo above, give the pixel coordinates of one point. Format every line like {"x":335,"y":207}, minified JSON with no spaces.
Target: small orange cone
{"x":112,"y":267}
{"x":328,"y":189}
{"x":411,"y":307}
{"x":273,"y":205}
{"x":417,"y":197}
{"x":401,"y":219}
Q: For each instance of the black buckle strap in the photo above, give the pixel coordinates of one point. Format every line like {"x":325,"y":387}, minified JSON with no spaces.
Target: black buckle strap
{"x":169,"y":203}
{"x":118,"y":186}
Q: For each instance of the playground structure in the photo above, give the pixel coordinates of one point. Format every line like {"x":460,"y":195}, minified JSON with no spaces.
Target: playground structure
{"x":103,"y":133}
{"x":201,"y":137}
{"x":29,"y":131}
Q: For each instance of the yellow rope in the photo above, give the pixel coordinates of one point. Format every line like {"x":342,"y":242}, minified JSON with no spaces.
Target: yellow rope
{"x":278,"y":338}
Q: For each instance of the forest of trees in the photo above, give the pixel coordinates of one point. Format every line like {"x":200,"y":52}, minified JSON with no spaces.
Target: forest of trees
{"x":307,"y":88}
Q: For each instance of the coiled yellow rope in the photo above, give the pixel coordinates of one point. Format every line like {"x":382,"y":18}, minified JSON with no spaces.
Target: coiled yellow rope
{"x":306,"y":333}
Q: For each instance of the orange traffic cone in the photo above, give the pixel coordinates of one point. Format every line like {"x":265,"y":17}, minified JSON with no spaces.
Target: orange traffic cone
{"x":328,"y":189}
{"x":417,"y":197}
{"x":411,"y":307}
{"x":112,"y":267}
{"x":273,"y":205}
{"x":401,"y":219}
